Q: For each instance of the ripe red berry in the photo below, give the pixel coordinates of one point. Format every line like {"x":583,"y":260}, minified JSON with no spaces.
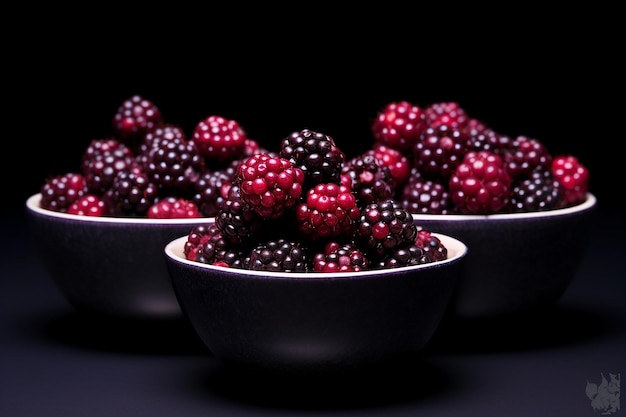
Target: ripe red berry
{"x":220,"y":139}
{"x":480,"y":184}
{"x":573,"y":177}
{"x":88,"y":205}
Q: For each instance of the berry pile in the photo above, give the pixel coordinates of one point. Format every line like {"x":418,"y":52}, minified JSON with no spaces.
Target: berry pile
{"x":306,"y":206}
{"x":454,"y":164}
{"x":150,"y":168}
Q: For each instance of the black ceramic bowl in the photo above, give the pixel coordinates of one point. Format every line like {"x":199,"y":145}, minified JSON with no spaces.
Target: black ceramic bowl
{"x":107,"y":265}
{"x":516,"y":263}
{"x":313,"y":322}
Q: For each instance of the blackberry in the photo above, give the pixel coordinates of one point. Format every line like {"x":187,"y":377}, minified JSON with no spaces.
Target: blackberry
{"x":475,"y":127}
{"x":489,"y":140}
{"x":219,"y":139}
{"x":237,"y":221}
{"x":97,"y":148}
{"x":426,"y":197}
{"x":102,"y":161}
{"x":206,"y":244}
{"x":573,"y":177}
{"x":369,"y":179}
{"x":439,"y":151}
{"x":316,"y":154}
{"x":153,"y":138}
{"x":279,"y":255}
{"x":212,"y":188}
{"x":135,"y":117}
{"x":174,"y":165}
{"x":385,"y":226}
{"x":88,"y":205}
{"x":399,"y":125}
{"x":198,"y":235}
{"x":398,"y":164}
{"x":404,"y":256}
{"x":446,"y":113}
{"x":340,"y":257}
{"x":330,"y":210}
{"x":481,"y":184}
{"x":131,"y":194}
{"x":540,"y":192}
{"x":270,"y":185}
{"x":173,"y":208}
{"x":526,"y":155}
{"x":433,"y":248}
{"x":58,"y":193}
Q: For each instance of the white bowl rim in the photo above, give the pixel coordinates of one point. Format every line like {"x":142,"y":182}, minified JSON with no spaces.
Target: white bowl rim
{"x":590,"y":201}
{"x":32,"y":203}
{"x":456,"y":250}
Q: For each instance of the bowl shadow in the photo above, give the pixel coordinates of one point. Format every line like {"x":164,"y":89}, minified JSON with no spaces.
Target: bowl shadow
{"x":131,"y":336}
{"x":405,"y":380}
{"x":548,"y":327}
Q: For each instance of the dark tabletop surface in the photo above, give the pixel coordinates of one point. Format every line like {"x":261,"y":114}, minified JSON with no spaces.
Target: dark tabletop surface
{"x":55,"y":362}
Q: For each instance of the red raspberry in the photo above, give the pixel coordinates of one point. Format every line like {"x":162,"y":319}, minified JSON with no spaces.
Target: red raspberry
{"x":573,"y":177}
{"x":330,"y":210}
{"x":399,"y":125}
{"x":220,"y":139}
{"x":88,"y":205}
{"x":269,"y":184}
{"x":480,"y":184}
{"x":173,"y":208}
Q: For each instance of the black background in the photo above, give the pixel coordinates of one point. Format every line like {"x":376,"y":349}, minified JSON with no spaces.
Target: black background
{"x":552,"y":76}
